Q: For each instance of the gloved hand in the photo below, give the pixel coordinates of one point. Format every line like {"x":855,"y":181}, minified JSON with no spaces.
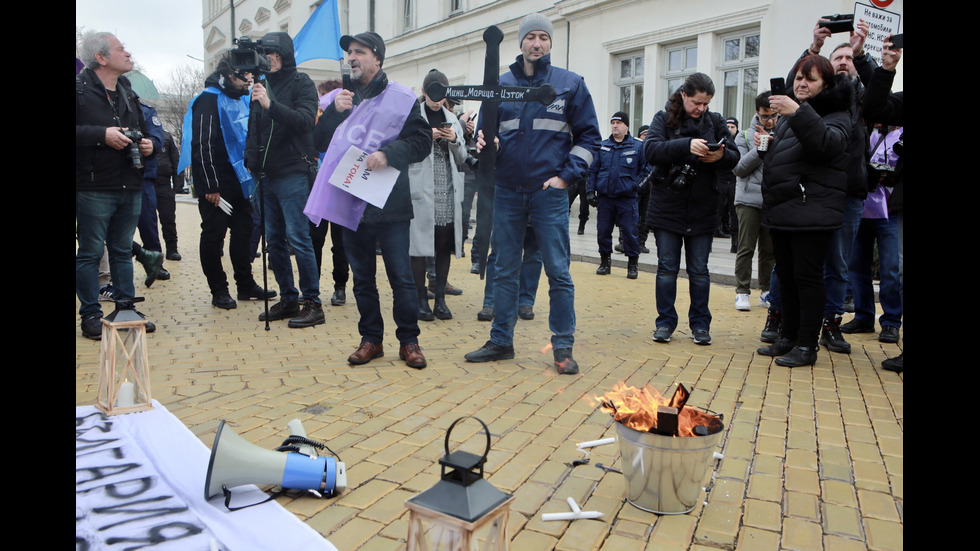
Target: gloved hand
{"x":592,"y":199}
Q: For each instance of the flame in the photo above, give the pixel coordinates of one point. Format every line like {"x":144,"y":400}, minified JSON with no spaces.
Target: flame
{"x":637,"y":409}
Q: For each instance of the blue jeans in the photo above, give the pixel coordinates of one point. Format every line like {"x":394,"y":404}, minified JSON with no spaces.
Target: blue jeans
{"x":360,"y":246}
{"x":547,"y":212}
{"x":838,"y":252}
{"x":285,"y":197}
{"x":147,"y":224}
{"x":885,"y":232}
{"x":105,"y":220}
{"x":530,"y":273}
{"x":696,"y":249}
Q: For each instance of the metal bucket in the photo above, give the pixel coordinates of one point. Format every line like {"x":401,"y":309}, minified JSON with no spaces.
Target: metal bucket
{"x":665,"y":474}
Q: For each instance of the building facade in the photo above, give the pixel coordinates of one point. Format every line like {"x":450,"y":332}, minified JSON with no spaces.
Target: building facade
{"x":632,"y":53}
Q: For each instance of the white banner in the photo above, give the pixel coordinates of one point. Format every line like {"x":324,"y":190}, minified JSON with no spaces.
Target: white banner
{"x":139,"y":485}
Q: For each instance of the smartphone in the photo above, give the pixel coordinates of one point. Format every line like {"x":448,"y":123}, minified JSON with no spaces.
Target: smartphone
{"x":445,"y":125}
{"x":777,"y":86}
{"x":897,"y":41}
{"x":840,"y":26}
{"x":715,"y":146}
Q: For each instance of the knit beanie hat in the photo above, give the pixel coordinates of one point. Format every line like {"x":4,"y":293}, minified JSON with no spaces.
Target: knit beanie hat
{"x":621,"y":117}
{"x":534,"y":22}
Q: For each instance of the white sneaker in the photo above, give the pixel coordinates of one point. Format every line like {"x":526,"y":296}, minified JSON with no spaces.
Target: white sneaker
{"x":742,"y":302}
{"x":764,"y":299}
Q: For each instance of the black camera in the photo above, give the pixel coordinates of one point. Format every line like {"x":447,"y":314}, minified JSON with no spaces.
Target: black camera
{"x":680,"y":176}
{"x":250,"y":55}
{"x":899,"y":146}
{"x":472,"y":158}
{"x":133,"y":149}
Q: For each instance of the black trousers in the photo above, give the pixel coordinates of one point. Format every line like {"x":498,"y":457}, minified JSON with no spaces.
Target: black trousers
{"x":800,"y":259}
{"x":167,"y":212}
{"x":214,"y":225}
{"x":341,"y":272}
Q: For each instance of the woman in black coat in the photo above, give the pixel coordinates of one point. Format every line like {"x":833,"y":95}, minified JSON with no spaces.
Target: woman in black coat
{"x":803,"y":189}
{"x":687,"y":146}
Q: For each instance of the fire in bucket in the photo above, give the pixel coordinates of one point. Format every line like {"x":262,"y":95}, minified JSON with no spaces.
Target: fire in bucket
{"x":666,"y":446}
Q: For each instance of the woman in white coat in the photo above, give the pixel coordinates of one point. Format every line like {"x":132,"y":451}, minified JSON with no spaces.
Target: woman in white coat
{"x":437,"y":196}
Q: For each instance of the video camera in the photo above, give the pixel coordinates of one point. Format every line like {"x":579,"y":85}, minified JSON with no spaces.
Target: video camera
{"x":250,"y":55}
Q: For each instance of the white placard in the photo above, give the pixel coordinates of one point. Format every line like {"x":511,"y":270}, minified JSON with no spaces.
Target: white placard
{"x":881,"y":23}
{"x":353,"y":176}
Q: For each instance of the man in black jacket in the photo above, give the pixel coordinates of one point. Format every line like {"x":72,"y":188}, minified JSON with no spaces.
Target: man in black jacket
{"x":280,"y":155}
{"x":108,"y":174}
{"x":343,"y":125}
{"x":167,"y":182}
{"x":215,"y":152}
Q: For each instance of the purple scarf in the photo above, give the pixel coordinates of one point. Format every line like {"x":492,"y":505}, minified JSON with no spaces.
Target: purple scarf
{"x":373,"y":123}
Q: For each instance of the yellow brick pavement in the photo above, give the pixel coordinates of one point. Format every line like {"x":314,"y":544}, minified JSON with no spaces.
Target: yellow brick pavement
{"x":813,"y":458}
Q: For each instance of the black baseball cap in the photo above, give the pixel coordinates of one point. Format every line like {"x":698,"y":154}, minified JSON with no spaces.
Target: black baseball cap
{"x":370,"y":39}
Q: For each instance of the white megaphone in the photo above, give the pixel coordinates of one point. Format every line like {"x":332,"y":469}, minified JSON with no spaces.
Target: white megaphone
{"x":236,"y":461}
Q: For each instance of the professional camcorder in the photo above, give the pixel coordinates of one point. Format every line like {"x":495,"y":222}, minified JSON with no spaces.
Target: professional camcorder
{"x":133,"y":149}
{"x":250,"y":55}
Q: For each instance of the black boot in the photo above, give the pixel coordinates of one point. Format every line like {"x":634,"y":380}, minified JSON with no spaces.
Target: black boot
{"x":831,"y":338}
{"x":152,"y":262}
{"x":425,"y":313}
{"x":798,"y":356}
{"x":604,"y":265}
{"x":774,"y":322}
{"x":581,"y":227}
{"x":439,"y":308}
{"x":632,"y":270}
{"x":778,"y":348}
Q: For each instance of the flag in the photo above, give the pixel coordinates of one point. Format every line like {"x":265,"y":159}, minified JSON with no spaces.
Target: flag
{"x":320,"y":36}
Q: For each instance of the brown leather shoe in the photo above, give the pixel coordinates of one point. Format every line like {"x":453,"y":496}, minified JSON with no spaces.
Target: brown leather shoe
{"x":366,"y":352}
{"x":412,"y":355}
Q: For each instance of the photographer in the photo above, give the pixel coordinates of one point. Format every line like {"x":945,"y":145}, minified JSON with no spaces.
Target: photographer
{"x":882,"y":106}
{"x":684,"y":198}
{"x":279,"y":152}
{"x":109,"y":151}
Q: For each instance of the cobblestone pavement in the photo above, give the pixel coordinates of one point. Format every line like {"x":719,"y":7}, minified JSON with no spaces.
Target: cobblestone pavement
{"x":813,"y":458}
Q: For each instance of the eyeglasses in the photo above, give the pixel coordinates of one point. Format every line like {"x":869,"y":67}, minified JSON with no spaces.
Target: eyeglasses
{"x":768,"y":117}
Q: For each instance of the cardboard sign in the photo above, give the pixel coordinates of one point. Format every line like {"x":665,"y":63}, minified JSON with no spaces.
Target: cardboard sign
{"x":353,"y":176}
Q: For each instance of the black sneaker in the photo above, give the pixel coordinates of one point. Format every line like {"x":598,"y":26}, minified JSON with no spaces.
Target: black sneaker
{"x":224,"y":301}
{"x":564,"y":363}
{"x":831,"y":338}
{"x":339,"y":297}
{"x":855,"y":326}
{"x":173,"y":255}
{"x":310,"y":315}
{"x":662,"y":334}
{"x":486,"y":314}
{"x":889,"y":333}
{"x":701,"y":337}
{"x":92,"y":327}
{"x":896,"y":364}
{"x":255,"y":293}
{"x":281,"y":310}
{"x":525,"y":312}
{"x":491,"y":352}
{"x":163,"y":274}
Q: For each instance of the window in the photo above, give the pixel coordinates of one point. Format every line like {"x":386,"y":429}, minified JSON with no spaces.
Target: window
{"x":740,"y":70}
{"x":682,"y":61}
{"x":629,"y":81}
{"x":408,"y":15}
{"x":455,"y":7}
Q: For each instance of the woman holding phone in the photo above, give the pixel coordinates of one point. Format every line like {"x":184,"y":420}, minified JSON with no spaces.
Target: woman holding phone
{"x":437,"y":201}
{"x":803,"y":189}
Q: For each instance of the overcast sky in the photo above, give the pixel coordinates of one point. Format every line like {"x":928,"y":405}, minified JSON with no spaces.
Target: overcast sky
{"x":159,"y":33}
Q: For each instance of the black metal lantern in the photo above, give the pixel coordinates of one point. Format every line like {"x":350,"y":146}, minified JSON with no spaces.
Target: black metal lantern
{"x":459,"y":504}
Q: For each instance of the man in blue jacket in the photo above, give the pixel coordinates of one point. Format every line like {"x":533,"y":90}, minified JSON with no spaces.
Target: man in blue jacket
{"x":541,"y":150}
{"x":614,"y":181}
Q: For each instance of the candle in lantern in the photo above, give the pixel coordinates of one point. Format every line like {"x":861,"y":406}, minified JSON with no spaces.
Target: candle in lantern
{"x":127,"y":394}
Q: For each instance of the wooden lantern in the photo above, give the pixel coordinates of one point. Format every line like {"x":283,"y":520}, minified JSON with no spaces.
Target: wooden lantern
{"x":124,"y":370}
{"x":459,"y":505}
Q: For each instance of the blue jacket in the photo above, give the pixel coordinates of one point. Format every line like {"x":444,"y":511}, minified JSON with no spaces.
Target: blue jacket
{"x":156,"y":136}
{"x":619,"y":168}
{"x":538,"y":142}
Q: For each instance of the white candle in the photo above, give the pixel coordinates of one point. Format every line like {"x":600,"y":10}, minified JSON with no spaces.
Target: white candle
{"x":127,"y":395}
{"x":594,"y":443}
{"x":575,"y":508}
{"x":570,"y":516}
